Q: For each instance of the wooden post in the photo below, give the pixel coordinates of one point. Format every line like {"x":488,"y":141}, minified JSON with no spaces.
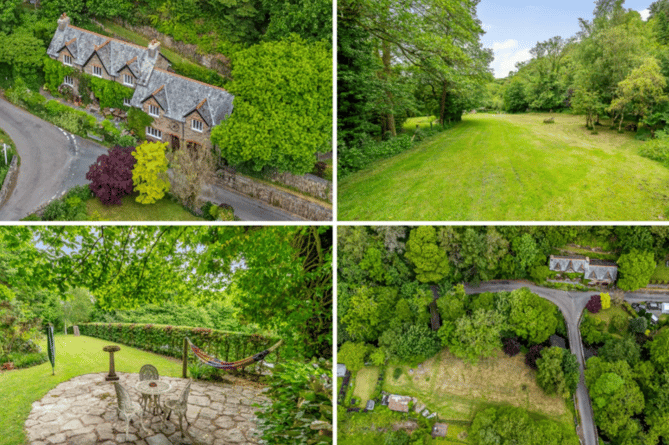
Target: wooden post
{"x":185,"y":364}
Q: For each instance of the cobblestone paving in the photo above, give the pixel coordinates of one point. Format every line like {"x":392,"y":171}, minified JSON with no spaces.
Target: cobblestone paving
{"x":82,"y":411}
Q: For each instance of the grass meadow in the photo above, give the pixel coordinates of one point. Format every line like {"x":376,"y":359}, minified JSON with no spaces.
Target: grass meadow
{"x":74,"y":356}
{"x":511,"y":167}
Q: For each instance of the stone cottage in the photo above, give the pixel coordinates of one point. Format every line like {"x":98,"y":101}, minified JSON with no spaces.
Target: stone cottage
{"x":597,"y":271}
{"x":184,"y":110}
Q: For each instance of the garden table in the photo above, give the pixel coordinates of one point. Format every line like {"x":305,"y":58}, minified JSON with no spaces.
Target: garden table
{"x":153,"y":388}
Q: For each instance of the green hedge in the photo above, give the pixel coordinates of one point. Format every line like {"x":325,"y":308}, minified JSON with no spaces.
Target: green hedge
{"x":168,"y":340}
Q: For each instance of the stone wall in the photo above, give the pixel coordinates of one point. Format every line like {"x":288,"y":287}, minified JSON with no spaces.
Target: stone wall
{"x":216,"y":62}
{"x":309,"y":184}
{"x":278,"y":198}
{"x":10,"y":180}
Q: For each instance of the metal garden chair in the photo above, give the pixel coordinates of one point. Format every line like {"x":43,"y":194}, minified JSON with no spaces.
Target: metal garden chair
{"x":148,"y":372}
{"x":179,"y":407}
{"x":127,"y":409}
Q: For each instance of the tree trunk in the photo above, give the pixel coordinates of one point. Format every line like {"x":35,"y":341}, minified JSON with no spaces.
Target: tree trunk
{"x":387,"y":69}
{"x":442,"y":103}
{"x":434,"y":312}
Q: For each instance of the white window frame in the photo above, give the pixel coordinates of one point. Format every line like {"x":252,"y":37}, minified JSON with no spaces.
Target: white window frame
{"x":97,"y":71}
{"x":70,"y":83}
{"x":67,"y":60}
{"x":127,"y":80}
{"x":154,"y":133}
{"x":154,"y":111}
{"x":197,"y":125}
{"x":126,"y":102}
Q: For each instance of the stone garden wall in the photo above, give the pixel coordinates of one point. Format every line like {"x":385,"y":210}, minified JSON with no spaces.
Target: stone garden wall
{"x":10,"y":180}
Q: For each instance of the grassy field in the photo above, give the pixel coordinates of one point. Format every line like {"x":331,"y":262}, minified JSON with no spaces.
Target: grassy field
{"x":365,"y":382}
{"x":456,"y":389}
{"x":74,"y":356}
{"x":131,"y":210}
{"x":511,"y":167}
{"x":422,"y":122}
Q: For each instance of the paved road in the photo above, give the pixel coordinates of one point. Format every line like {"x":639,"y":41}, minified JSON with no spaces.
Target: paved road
{"x":53,"y":161}
{"x":571,"y":304}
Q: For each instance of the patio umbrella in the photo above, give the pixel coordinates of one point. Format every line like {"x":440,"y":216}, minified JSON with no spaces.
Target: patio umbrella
{"x":51,"y":348}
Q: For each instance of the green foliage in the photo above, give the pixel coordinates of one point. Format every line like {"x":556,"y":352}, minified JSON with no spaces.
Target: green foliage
{"x":474,"y":337}
{"x":429,"y":259}
{"x":638,"y":325}
{"x":71,"y":207}
{"x":54,"y":73}
{"x":276,"y":83}
{"x":532,"y":317}
{"x":149,"y":176}
{"x":9,"y":15}
{"x":657,"y":149}
{"x":24,"y":360}
{"x":200,"y":73}
{"x":659,"y":350}
{"x":606,"y":300}
{"x":616,"y":349}
{"x":557,"y":372}
{"x":592,"y":329}
{"x":417,"y":343}
{"x":52,"y":9}
{"x":635,"y":268}
{"x":498,"y":425}
{"x":24,"y":54}
{"x":168,"y":340}
{"x":310,"y":19}
{"x":110,"y":9}
{"x":78,"y":306}
{"x":514,"y":96}
{"x":110,"y":94}
{"x":354,"y":158}
{"x":138,"y":120}
{"x":353,"y":355}
{"x":18,"y":325}
{"x":301,"y":411}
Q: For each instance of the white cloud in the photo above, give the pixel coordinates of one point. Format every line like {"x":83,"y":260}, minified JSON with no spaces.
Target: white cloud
{"x":507,"y":44}
{"x":507,"y":62}
{"x":644,"y":14}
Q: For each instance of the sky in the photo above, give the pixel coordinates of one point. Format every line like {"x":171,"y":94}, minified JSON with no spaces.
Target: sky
{"x":513,"y":27}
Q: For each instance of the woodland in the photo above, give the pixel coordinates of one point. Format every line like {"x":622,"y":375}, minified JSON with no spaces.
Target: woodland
{"x":397,"y":62}
{"x":395,"y":282}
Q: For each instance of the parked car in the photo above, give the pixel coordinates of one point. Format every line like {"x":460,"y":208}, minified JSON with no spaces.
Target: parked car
{"x":654,"y":319}
{"x":635,"y":306}
{"x":653,"y":306}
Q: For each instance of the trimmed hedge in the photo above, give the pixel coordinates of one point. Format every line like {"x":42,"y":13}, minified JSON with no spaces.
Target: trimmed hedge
{"x":168,"y":340}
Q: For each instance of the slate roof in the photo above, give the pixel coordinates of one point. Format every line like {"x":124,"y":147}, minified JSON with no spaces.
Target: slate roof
{"x":114,"y":54}
{"x":556,"y":340}
{"x":180,"y":96}
{"x":597,"y":270}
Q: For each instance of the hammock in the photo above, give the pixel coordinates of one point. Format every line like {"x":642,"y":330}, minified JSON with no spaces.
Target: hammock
{"x":216,"y":363}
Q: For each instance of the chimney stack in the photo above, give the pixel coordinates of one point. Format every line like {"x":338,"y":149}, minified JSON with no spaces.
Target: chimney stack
{"x":154,"y":47}
{"x":63,"y":22}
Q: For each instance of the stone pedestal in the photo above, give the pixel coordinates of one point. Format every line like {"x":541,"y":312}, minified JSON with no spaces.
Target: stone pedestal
{"x":111,"y":377}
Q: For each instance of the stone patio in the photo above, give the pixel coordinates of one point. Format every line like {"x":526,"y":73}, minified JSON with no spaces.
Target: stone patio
{"x":82,"y":411}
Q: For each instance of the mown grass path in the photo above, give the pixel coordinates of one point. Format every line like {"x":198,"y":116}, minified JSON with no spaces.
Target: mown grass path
{"x":512,"y":167}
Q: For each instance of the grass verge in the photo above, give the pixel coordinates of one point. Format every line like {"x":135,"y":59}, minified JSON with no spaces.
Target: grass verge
{"x":74,"y":356}
{"x":511,"y":167}
{"x":11,"y":150}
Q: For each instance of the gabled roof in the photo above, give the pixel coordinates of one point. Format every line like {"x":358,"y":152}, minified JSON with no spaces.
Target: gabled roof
{"x":114,"y":54}
{"x":180,"y":96}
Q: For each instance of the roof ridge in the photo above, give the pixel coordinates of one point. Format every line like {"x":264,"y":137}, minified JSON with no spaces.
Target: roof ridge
{"x":201,"y":103}
{"x":131,"y":60}
{"x":101,"y":46}
{"x":188,"y":78}
{"x":73,"y":39}
{"x":158,"y":90}
{"x":107,"y":37}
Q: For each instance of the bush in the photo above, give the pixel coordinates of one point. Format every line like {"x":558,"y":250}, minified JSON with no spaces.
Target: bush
{"x":533,"y":355}
{"x":397,"y":373}
{"x":594,"y":305}
{"x":71,"y":207}
{"x":511,"y":346}
{"x":138,"y":121}
{"x":168,"y":340}
{"x":22,"y":360}
{"x":111,"y":175}
{"x":353,"y":159}
{"x":657,"y":149}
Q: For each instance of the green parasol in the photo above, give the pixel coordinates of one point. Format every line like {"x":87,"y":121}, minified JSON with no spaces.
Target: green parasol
{"x":51,"y":348}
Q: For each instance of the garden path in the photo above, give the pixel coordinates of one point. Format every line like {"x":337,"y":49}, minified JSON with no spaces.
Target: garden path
{"x":82,"y":411}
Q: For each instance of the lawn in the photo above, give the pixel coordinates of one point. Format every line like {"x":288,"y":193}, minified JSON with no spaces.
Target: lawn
{"x":511,"y":167}
{"x":131,"y":210}
{"x":422,"y":122}
{"x":365,"y":382}
{"x":74,"y":356}
{"x":456,"y":389}
{"x":661,"y":273}
{"x":607,"y":314}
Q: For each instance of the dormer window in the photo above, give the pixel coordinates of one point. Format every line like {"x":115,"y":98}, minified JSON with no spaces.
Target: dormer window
{"x":196,"y":125}
{"x":154,"y":111}
{"x":67,"y":60}
{"x":97,"y":71}
{"x":128,"y":80}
